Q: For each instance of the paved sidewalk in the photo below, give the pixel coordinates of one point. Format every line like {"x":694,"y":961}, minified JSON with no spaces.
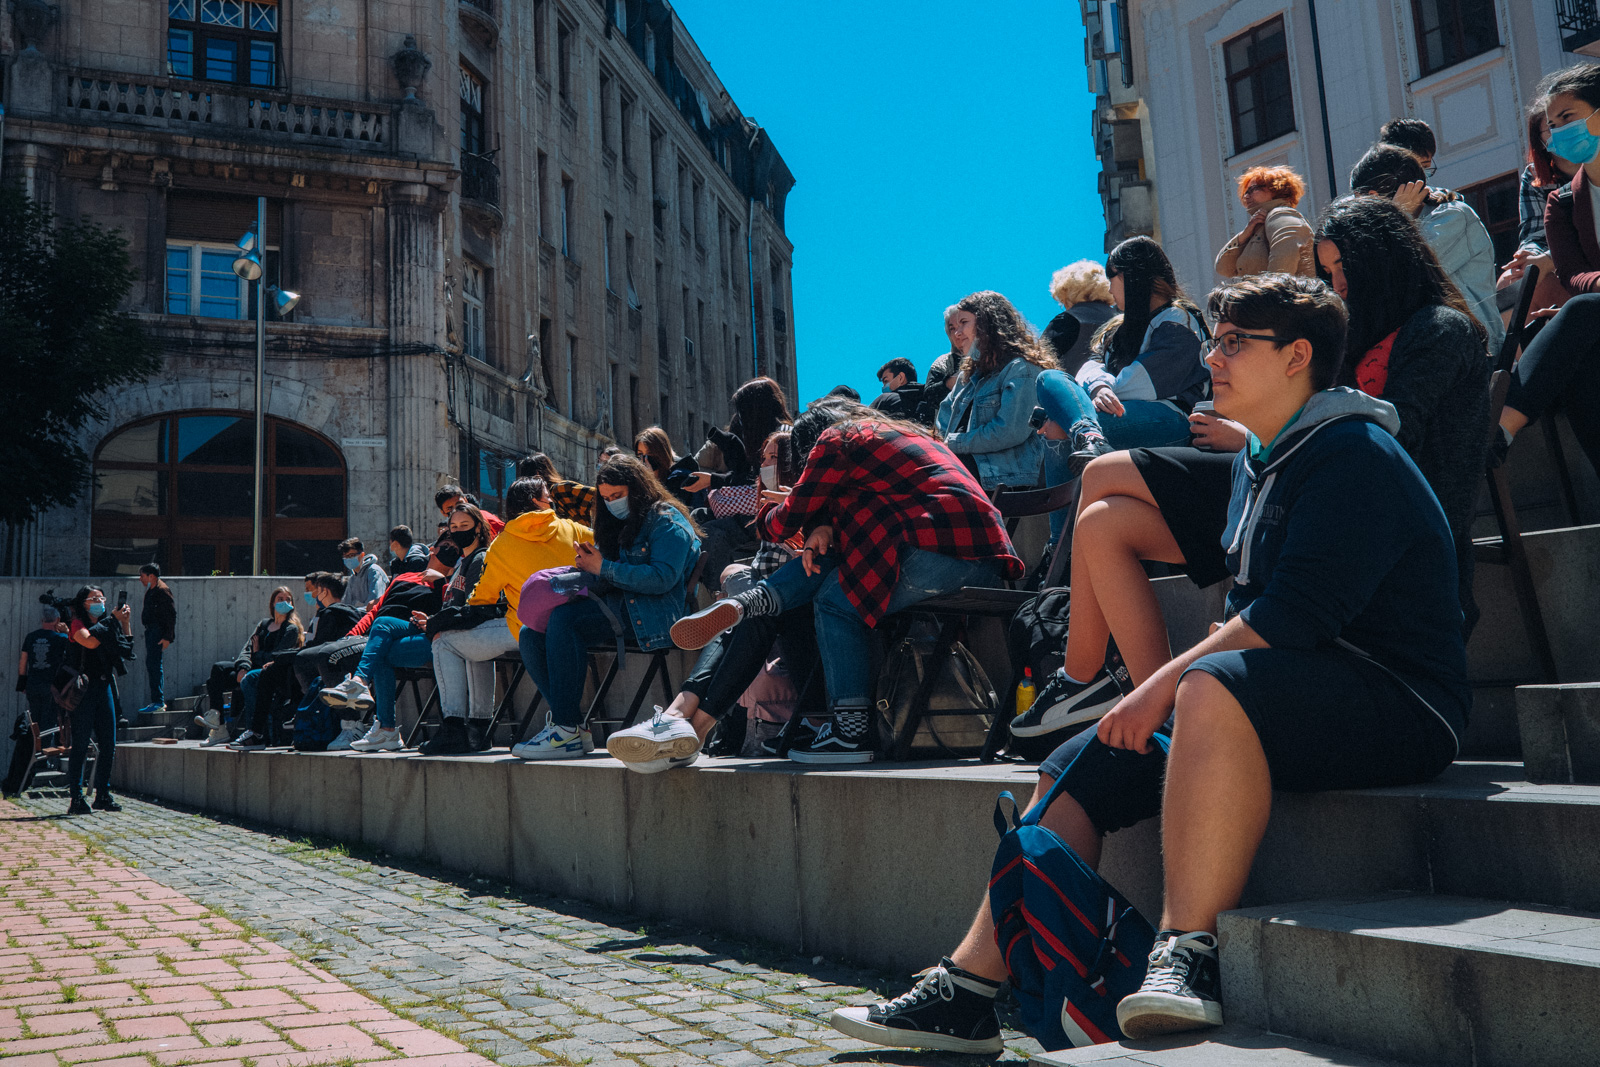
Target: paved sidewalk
{"x":523,"y":981}
{"x":105,"y":966}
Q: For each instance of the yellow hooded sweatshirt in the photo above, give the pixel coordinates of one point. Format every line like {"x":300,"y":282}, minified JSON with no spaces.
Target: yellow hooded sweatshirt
{"x":533,"y":541}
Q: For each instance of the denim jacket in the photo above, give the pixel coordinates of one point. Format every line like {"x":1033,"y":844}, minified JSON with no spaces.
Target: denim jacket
{"x":649,"y":580}
{"x":998,"y":436}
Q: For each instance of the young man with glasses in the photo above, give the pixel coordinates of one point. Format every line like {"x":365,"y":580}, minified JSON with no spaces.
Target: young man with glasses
{"x":1341,"y":666}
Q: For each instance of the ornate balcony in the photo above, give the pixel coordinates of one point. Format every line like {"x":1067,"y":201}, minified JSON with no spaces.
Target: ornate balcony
{"x":480,"y":187}
{"x":478,"y":19}
{"x":208,"y":109}
{"x":1580,"y":26}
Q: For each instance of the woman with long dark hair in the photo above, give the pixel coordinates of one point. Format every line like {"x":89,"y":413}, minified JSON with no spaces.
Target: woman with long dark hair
{"x":1563,"y":362}
{"x":654,"y":448}
{"x":984,"y":420}
{"x":1413,"y":343}
{"x":101,"y":641}
{"x":280,"y":631}
{"x":1148,"y":374}
{"x":732,"y":457}
{"x":645,"y":546}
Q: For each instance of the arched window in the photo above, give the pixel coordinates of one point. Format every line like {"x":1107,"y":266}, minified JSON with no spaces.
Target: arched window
{"x":177,"y":490}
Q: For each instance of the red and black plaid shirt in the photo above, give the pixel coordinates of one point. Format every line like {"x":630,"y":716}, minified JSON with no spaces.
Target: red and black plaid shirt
{"x":882,"y":490}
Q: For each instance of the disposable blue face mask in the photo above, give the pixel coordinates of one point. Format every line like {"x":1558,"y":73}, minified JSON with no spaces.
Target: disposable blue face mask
{"x":618,"y":507}
{"x":352,"y":563}
{"x":283,"y":607}
{"x":1574,"y":143}
{"x":96,"y":607}
{"x":311,"y":598}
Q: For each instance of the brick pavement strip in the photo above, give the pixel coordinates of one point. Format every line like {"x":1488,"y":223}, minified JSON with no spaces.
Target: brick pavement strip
{"x":280,"y":952}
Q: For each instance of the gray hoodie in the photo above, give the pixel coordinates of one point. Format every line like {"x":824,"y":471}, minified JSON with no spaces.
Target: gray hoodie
{"x":367,"y":583}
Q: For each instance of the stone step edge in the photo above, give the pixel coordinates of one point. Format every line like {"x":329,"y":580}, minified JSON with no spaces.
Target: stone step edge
{"x":1231,"y":1045}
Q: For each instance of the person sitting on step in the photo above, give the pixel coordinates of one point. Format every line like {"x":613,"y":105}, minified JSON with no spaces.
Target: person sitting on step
{"x":1341,"y":666}
{"x":644,"y":551}
{"x":910,"y":521}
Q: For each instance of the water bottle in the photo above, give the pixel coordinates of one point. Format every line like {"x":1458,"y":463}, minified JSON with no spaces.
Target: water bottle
{"x":227,"y":707}
{"x":1025,"y":693}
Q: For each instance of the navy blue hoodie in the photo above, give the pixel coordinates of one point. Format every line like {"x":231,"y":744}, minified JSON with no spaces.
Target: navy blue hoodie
{"x":1337,"y":540}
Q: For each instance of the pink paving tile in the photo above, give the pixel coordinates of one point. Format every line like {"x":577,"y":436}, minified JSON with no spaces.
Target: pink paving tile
{"x":126,"y":1061}
{"x":270,"y":1013}
{"x":337,"y":1001}
{"x":91,"y":1053}
{"x":328,"y":1018}
{"x":317,"y":1038}
{"x":218,"y":1033}
{"x":165,"y":994}
{"x":458,"y":1059}
{"x":40,"y":1059}
{"x":203,"y":966}
{"x":71,"y":1022}
{"x":154,"y":1026}
{"x":262,"y":970}
{"x":241,"y":998}
{"x":423,"y":1043}
{"x":231,"y":1052}
{"x":51,"y":1044}
{"x":322,"y":1058}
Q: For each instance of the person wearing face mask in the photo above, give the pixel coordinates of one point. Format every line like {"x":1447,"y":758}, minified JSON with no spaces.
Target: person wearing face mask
{"x":101,"y":641}
{"x":1563,"y":362}
{"x":654,"y":449}
{"x":1544,"y":173}
{"x":645,"y":546}
{"x":367,"y":578}
{"x":159,"y":618}
{"x":280,"y":631}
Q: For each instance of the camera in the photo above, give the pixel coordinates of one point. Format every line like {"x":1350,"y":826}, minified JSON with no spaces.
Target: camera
{"x":1039,"y":417}
{"x":63,"y":605}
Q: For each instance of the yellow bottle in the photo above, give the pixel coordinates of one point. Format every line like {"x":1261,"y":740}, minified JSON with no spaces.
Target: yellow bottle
{"x":1025,"y":692}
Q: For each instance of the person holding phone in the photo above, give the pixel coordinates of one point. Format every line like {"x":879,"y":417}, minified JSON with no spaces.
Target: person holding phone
{"x":101,"y":641}
{"x":644,"y":549}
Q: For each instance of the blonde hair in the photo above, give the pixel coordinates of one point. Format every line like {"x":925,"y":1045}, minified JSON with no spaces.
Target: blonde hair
{"x":1078,"y":282}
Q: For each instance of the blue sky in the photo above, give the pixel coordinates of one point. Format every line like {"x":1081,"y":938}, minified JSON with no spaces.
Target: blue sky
{"x":939,"y":148}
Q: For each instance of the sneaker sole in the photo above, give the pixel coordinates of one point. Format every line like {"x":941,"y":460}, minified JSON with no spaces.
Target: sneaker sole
{"x":1146,"y":1015}
{"x":386,"y":746}
{"x":830,"y":757}
{"x":852,"y":1023}
{"x":1047,"y":725}
{"x":335,"y":700}
{"x":645,"y":750}
{"x":657,"y":766}
{"x":563,"y":754}
{"x":694,"y":632}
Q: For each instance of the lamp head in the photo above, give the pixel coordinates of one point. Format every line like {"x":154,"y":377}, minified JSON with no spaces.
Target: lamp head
{"x":283,"y":300}
{"x":247,"y":243}
{"x":248,"y":266}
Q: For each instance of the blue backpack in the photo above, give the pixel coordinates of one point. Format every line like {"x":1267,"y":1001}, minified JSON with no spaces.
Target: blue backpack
{"x":1073,"y":946}
{"x":315,"y":723}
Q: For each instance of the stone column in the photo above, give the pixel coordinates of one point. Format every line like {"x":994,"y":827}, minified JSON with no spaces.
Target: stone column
{"x":421,"y":442}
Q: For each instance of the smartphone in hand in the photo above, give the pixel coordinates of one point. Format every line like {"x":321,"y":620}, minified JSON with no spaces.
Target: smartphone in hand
{"x":122,"y":599}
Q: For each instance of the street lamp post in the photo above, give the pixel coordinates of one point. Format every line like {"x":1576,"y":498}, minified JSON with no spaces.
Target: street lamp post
{"x":249,"y":266}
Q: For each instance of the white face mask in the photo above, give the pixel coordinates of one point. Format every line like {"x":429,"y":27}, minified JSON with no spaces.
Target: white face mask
{"x":769,"y":476}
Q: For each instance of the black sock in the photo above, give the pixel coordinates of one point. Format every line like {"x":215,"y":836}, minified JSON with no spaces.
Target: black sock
{"x":758,"y":602}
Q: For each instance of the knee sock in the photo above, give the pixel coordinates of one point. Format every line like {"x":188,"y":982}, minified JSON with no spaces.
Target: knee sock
{"x":758,"y":602}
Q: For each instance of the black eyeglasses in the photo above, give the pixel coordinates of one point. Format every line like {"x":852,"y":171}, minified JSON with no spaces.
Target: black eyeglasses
{"x":1230,"y":342}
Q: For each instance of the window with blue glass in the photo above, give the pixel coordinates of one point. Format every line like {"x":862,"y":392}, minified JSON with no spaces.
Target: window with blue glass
{"x":232,"y":41}
{"x":201,"y":281}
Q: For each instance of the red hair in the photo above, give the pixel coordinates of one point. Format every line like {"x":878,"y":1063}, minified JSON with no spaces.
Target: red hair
{"x":1285,"y":184}
{"x":1544,"y":170}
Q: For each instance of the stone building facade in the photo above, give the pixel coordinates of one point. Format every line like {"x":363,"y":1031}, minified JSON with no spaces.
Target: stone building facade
{"x":514,"y":226}
{"x":1192,"y":93}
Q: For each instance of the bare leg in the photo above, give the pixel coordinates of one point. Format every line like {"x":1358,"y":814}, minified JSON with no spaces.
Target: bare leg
{"x":1512,"y":421}
{"x":1114,"y":536}
{"x":687,"y":706}
{"x":1215,"y":805}
{"x":977,"y":952}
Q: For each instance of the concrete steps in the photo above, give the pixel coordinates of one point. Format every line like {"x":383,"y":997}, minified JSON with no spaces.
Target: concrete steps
{"x":1422,"y":979}
{"x":1230,"y":1046}
{"x":1559,"y":726}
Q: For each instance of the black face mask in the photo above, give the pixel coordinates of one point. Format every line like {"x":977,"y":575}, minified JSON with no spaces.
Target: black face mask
{"x":463,"y":538}
{"x":448,"y":553}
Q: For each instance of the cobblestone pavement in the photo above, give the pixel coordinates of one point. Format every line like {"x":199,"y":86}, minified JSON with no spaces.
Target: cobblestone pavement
{"x":518,"y":978}
{"x":105,"y":966}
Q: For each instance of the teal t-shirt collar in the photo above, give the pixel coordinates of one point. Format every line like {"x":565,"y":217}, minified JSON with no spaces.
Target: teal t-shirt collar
{"x":1263,"y":453}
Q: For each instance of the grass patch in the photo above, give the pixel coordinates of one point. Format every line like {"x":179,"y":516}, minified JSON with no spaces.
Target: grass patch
{"x":102,"y":966}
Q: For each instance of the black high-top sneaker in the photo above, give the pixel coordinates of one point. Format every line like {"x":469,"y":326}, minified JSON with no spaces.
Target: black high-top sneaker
{"x":451,"y":740}
{"x":1181,"y":990}
{"x":77,"y":807}
{"x":845,"y":738}
{"x":104,"y":801}
{"x":948,"y":1009}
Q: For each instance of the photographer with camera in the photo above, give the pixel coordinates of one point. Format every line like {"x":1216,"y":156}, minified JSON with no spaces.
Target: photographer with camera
{"x":100,"y":644}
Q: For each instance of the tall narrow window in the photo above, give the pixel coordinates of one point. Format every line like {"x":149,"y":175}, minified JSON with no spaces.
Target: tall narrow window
{"x":541,"y":65}
{"x":224,"y":41}
{"x":694,"y":201}
{"x":1452,"y":31}
{"x":619,"y":16}
{"x":542,"y":193}
{"x":627,"y":268}
{"x":605,"y":110}
{"x":564,"y":61}
{"x":1259,"y":95}
{"x":611,"y":227}
{"x":650,"y":49}
{"x":472,"y":128}
{"x":572,"y":375}
{"x":566,"y":217}
{"x":473,"y":299}
{"x":625,"y":128}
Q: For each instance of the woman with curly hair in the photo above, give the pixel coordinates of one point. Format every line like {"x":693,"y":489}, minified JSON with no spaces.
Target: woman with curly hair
{"x":1083,"y":289}
{"x":984,"y":420}
{"x":1277,"y":237}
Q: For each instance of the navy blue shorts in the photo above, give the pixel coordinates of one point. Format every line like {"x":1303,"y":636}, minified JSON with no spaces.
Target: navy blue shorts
{"x":1327,"y":719}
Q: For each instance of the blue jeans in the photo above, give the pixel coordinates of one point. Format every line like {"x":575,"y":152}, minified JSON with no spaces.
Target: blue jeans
{"x":845,"y":641}
{"x":247,"y":695}
{"x":556,"y":659}
{"x":391,"y":643}
{"x":152,"y":665}
{"x":793,"y":587}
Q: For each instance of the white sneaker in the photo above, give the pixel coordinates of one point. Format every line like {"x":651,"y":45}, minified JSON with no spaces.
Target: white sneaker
{"x":656,"y":766}
{"x":378,"y":739}
{"x":353,"y":730}
{"x":663,"y":737}
{"x":211,"y":720}
{"x":553,"y":742}
{"x":218,"y":736}
{"x":350,"y":693}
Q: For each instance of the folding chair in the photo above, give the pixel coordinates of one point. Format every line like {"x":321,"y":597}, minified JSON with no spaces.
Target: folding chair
{"x":1510,"y":551}
{"x":954,"y":609}
{"x":657,"y":668}
{"x":413,"y":676}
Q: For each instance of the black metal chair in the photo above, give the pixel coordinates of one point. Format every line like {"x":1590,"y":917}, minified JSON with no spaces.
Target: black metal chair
{"x":1510,"y":552}
{"x":413,"y":677}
